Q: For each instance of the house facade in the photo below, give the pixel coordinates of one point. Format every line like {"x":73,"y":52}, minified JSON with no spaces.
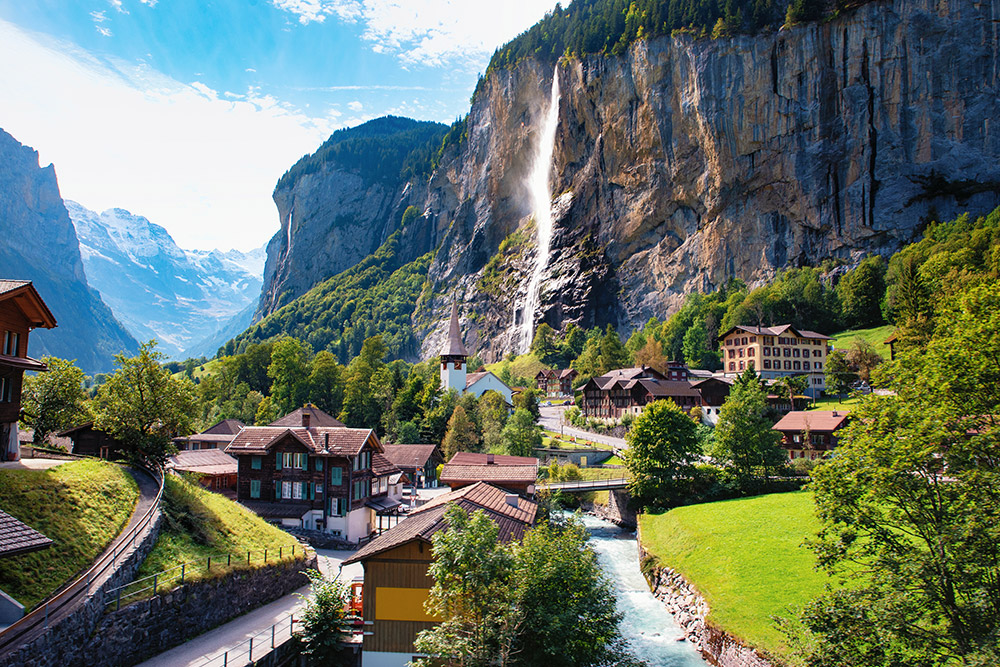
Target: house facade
{"x":810,"y":434}
{"x":629,"y":390}
{"x":334,"y":479}
{"x":21,"y":311}
{"x":89,"y":441}
{"x":774,"y":352}
{"x":216,"y":437}
{"x":214,"y":469}
{"x":396,"y":579}
{"x":555,"y":382}
{"x":419,"y":462}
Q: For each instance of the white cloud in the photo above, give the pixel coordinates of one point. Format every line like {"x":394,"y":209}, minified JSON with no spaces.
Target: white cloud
{"x":199,"y":163}
{"x":436,"y":33}
{"x":106,"y":32}
{"x":98,"y":17}
{"x":355,"y":106}
{"x":149,"y":3}
{"x":117,"y":5}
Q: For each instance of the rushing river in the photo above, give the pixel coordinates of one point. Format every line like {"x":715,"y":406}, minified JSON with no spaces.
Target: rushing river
{"x":647,"y":624}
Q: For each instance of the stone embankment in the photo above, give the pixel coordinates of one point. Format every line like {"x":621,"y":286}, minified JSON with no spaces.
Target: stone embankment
{"x":690,"y":610}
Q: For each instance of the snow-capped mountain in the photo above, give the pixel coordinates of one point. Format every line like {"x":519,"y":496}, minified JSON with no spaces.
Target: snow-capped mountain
{"x":158,"y":290}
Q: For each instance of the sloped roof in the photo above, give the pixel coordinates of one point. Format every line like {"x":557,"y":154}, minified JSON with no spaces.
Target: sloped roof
{"x":773,"y":331}
{"x":316,"y":418}
{"x":423,"y":524}
{"x":24,"y":363}
{"x":228,"y":427}
{"x":812,"y":420}
{"x":225,"y":438}
{"x":339,"y":441}
{"x":454,"y":347}
{"x":27,"y":298}
{"x":18,"y":538}
{"x":488,"y":497}
{"x":473,"y":467}
{"x":284,"y":510}
{"x":669,"y":387}
{"x":205,"y":461}
{"x":409,"y":456}
{"x":383,"y":466}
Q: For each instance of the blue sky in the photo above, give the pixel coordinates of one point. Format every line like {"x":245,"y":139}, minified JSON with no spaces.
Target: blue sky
{"x":188,"y":111}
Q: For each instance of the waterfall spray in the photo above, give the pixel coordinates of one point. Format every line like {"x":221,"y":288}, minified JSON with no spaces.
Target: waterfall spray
{"x":541,"y":203}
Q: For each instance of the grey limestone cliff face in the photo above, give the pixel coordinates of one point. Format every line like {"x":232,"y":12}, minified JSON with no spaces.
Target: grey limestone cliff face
{"x":686,"y":162}
{"x":679,"y":165}
{"x":38,"y":243}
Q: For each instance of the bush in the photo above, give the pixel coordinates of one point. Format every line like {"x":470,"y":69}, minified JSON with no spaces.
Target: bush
{"x":802,"y":467}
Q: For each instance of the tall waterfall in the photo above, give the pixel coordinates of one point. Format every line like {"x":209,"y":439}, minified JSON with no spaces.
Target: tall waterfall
{"x":541,"y":203}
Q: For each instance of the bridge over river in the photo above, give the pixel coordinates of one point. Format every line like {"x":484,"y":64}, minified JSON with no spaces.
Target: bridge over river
{"x":584,"y":485}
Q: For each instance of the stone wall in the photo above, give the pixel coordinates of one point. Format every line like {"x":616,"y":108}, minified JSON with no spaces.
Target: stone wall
{"x":690,"y":610}
{"x":617,"y":511}
{"x":59,"y":646}
{"x":149,"y":627}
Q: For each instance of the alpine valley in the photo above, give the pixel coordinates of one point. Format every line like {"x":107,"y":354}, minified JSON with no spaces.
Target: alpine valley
{"x":678,"y":163}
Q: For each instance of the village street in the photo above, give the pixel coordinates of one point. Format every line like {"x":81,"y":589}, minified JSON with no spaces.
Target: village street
{"x":551,"y":419}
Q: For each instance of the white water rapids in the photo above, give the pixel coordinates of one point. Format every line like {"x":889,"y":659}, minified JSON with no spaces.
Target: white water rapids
{"x":541,"y":203}
{"x":646,"y":623}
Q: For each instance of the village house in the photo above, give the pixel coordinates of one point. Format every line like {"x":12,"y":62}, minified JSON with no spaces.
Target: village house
{"x":214,"y":469}
{"x":396,"y":579}
{"x":774,"y":352}
{"x":21,"y":310}
{"x":555,"y":382}
{"x":629,"y":390}
{"x":512,"y":473}
{"x":454,"y":371}
{"x":714,"y":392}
{"x":216,"y":437}
{"x":327,"y":478}
{"x":89,"y":441}
{"x":419,"y":462}
{"x":809,"y":434}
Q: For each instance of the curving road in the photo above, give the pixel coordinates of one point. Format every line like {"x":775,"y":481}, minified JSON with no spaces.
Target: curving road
{"x":551,"y":419}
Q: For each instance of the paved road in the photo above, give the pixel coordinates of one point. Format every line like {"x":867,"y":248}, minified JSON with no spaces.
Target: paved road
{"x":551,"y":419}
{"x":215,"y":642}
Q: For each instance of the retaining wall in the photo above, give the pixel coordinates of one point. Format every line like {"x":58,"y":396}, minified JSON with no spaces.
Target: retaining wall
{"x":689,"y":609}
{"x":149,"y":627}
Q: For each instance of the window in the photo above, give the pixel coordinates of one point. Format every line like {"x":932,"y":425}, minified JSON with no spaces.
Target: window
{"x":741,"y":365}
{"x":296,"y":490}
{"x":255,"y":488}
{"x":753,"y":339}
{"x":732,"y":354}
{"x":286,"y":489}
{"x":288,"y":460}
{"x":11,"y":343}
{"x":255,"y":463}
{"x":337,"y":506}
{"x":788,"y":352}
{"x":732,"y":365}
{"x":797,"y":365}
{"x":767,"y":364}
{"x":302,"y":461}
{"x":751,"y":352}
{"x":818,"y":365}
{"x":361,"y":489}
{"x":750,"y":364}
{"x":788,"y":365}
{"x":741,"y":353}
{"x":795,"y":352}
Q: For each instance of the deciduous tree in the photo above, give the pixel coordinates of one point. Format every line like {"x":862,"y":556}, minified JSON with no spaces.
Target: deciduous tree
{"x":662,"y":451}
{"x":521,"y":436}
{"x":54,"y":400}
{"x":461,"y":435}
{"x":324,"y":621}
{"x":744,"y":439}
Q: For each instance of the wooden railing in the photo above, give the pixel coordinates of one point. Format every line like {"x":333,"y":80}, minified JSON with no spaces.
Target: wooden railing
{"x":63,"y":602}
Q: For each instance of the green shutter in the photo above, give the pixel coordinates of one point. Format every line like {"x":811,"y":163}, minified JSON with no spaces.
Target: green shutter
{"x":277,"y":463}
{"x":255,"y":463}
{"x":277,"y":490}
{"x":336,"y":476}
{"x":255,"y":488}
{"x":319,"y":463}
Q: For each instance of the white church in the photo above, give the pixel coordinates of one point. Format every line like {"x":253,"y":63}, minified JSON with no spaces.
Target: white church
{"x":454,"y":373}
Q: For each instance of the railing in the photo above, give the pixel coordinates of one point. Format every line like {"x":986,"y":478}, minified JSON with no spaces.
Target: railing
{"x":589,"y":485}
{"x":263,"y":642}
{"x":138,"y":589}
{"x":80,"y":589}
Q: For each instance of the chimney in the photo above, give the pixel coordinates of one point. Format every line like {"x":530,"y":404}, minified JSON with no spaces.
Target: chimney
{"x":835,"y":413}
{"x":512,"y":499}
{"x":489,"y":459}
{"x":305,"y":419}
{"x":326,"y":441}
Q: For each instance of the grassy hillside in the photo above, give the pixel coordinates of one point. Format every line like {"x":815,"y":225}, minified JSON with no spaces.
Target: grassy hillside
{"x":745,"y":556}
{"x":81,"y":505}
{"x":845,"y":339}
{"x":199,"y":523}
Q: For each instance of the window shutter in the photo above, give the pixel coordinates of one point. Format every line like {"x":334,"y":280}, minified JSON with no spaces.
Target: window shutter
{"x":277,"y":462}
{"x":319,"y":463}
{"x":336,"y":476}
{"x":277,"y":490}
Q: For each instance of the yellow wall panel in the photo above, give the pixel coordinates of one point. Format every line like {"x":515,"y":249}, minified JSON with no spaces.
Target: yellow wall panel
{"x":401,"y":604}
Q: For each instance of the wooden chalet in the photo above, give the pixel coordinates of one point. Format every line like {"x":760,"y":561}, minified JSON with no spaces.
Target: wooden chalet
{"x":308,"y":415}
{"x":419,"y":462}
{"x":396,"y":579}
{"x":556,"y":382}
{"x":215,"y":469}
{"x":327,"y":478}
{"x":216,"y":437}
{"x":629,"y":390}
{"x":89,"y":441}
{"x":21,"y":310}
{"x":810,"y":434}
{"x":517,"y":474}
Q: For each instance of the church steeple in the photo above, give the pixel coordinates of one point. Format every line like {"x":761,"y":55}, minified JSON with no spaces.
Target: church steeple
{"x":453,"y":355}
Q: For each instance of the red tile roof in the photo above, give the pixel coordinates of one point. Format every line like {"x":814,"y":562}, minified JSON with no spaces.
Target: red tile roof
{"x":814,"y":421}
{"x":476,"y":458}
{"x":473,"y":467}
{"x":488,"y":497}
{"x":409,"y":456}
{"x":18,"y":538}
{"x":316,"y":418}
{"x":339,"y":441}
{"x":383,"y":466}
{"x":423,"y":524}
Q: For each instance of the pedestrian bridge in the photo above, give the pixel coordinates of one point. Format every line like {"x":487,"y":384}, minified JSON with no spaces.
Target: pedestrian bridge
{"x":583,"y":485}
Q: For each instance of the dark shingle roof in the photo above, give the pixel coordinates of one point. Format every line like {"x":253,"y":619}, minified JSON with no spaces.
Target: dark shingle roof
{"x":18,"y":538}
{"x":383,"y":466}
{"x":205,"y":461}
{"x":454,"y":347}
{"x":409,"y":456}
{"x":11,"y":285}
{"x":340,"y":441}
{"x":423,"y":524}
{"x":316,"y":418}
{"x":228,"y":427}
{"x":267,"y":510}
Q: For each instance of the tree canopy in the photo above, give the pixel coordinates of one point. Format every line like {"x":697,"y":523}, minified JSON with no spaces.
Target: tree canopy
{"x":662,"y":450}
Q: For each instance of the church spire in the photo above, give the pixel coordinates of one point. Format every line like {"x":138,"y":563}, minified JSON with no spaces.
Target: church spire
{"x":454,"y":347}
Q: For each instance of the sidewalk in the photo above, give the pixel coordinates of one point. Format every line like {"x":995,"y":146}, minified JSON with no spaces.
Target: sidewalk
{"x":216,"y":642}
